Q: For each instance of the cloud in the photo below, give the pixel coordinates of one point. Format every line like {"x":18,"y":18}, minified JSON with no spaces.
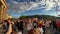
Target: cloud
{"x":49,"y":5}
{"x":23,"y":6}
{"x":26,"y":6}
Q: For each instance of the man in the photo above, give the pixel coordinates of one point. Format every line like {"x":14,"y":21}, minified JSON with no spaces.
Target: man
{"x":54,"y":25}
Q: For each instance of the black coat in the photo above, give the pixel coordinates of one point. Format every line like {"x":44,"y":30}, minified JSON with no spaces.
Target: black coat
{"x":19,"y":25}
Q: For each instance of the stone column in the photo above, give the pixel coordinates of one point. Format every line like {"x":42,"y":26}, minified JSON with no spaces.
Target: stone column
{"x":1,"y":12}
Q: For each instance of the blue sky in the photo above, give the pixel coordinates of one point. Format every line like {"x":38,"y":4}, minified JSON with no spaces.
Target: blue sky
{"x":25,"y":0}
{"x":32,"y":7}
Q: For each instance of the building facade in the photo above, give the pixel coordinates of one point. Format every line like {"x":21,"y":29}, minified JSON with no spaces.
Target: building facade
{"x":3,"y":10}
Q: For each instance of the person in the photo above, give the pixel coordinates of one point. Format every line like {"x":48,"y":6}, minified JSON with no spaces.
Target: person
{"x":58,"y":24}
{"x":14,"y":31}
{"x":43,"y":27}
{"x":34,"y":31}
{"x":28,"y":24}
{"x":9,"y":28}
{"x":21,"y":26}
{"x":5,"y":25}
{"x":35,"y":21}
{"x":13,"y":27}
{"x":1,"y":28}
{"x":51,"y":26}
{"x":16,"y":25}
{"x":40,"y":27}
{"x":19,"y":33}
{"x":54,"y":25}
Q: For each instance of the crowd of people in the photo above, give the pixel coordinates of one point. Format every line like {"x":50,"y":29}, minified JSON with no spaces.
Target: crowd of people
{"x":32,"y":25}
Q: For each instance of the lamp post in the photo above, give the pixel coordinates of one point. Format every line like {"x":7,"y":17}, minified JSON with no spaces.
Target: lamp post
{"x":56,"y":3}
{"x":57,"y":7}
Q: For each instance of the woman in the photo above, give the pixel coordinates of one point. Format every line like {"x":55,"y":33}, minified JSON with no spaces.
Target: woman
{"x":28,"y":24}
{"x":40,"y":27}
{"x":33,"y":31}
{"x":47,"y":26}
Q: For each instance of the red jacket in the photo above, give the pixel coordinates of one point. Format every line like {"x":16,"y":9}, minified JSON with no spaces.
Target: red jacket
{"x":40,"y":25}
{"x":58,"y":23}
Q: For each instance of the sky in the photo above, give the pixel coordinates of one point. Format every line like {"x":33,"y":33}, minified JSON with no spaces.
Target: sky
{"x":17,"y":8}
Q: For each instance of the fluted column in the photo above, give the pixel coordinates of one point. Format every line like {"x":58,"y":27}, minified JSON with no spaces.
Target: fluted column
{"x":1,"y":12}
